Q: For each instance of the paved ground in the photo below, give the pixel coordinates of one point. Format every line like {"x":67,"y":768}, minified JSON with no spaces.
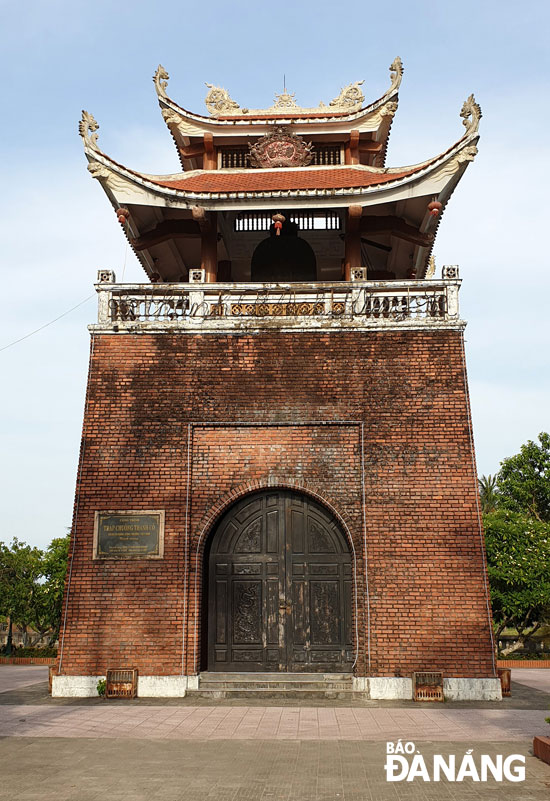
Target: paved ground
{"x":538,"y":679}
{"x":217,"y":722}
{"x":90,"y":750}
{"x":13,"y":677}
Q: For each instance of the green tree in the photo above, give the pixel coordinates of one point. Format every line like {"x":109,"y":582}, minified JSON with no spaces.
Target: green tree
{"x":20,"y":571}
{"x":518,"y":560}
{"x":49,"y":598}
{"x":31,"y":588}
{"x":523,"y":482}
{"x":488,"y":495}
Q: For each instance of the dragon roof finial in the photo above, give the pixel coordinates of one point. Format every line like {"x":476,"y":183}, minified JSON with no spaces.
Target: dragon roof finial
{"x":471,"y":115}
{"x":87,"y":128}
{"x":160,"y":79}
{"x":396,"y":74}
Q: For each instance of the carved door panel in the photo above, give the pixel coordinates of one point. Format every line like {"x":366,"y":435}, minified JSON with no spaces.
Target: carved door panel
{"x":279,"y":588}
{"x":318,"y":579}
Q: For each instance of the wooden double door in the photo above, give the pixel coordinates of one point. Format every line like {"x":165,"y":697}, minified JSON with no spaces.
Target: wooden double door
{"x":279,"y":587}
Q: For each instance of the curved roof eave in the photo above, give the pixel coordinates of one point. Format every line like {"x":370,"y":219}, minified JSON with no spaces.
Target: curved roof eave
{"x":462,"y":152}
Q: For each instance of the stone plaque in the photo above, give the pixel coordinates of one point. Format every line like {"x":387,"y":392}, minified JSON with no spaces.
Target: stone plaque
{"x":129,"y":535}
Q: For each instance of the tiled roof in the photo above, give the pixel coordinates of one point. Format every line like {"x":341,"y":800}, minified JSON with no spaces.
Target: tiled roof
{"x":216,"y":181}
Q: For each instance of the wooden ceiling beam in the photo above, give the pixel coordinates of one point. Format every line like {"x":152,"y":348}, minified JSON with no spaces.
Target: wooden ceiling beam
{"x":370,"y":147}
{"x":396,"y":226}
{"x":167,"y":229}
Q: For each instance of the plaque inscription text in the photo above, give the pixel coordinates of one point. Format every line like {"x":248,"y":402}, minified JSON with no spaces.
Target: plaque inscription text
{"x":129,"y":535}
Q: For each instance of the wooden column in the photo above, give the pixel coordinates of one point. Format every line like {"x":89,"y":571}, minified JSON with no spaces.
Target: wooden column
{"x":352,"y":256}
{"x":210,"y":157}
{"x":352,"y":148}
{"x":208,"y":224}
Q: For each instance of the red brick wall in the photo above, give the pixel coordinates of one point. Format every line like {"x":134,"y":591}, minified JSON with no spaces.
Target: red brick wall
{"x":399,"y":394}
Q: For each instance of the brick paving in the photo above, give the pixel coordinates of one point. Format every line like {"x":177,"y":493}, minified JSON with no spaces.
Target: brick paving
{"x":281,"y":723}
{"x":56,"y":769}
{"x":120,"y":751}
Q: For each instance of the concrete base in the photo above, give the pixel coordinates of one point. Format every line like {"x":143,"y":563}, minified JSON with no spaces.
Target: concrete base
{"x":75,"y":686}
{"x":384,"y":688}
{"x":376,"y":688}
{"x":392,"y":688}
{"x":472,"y":689}
{"x":148,"y":686}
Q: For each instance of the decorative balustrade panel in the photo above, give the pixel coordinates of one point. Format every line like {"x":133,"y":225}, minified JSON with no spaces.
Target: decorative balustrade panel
{"x":218,"y":305}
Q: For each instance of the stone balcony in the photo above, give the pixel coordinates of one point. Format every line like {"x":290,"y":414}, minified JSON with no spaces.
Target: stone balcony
{"x":231,"y":307}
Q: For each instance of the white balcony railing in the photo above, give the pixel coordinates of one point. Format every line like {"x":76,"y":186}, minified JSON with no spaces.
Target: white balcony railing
{"x":200,"y":306}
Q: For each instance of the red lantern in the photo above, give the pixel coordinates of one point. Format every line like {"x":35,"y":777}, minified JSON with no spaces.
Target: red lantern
{"x":122,"y":215}
{"x":278,"y":219}
{"x":435,"y":207}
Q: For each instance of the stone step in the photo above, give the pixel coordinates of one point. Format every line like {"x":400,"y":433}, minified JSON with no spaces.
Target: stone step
{"x":284,"y":686}
{"x":276,"y":677}
{"x":275,"y":685}
{"x":296,"y":693}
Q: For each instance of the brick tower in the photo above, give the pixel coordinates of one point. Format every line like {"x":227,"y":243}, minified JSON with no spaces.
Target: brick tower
{"x":277,"y":472}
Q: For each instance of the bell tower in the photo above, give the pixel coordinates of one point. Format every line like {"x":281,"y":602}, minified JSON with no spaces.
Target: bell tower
{"x":277,"y":472}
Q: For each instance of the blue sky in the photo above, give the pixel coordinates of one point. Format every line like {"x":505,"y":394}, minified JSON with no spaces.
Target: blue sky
{"x":58,"y":228}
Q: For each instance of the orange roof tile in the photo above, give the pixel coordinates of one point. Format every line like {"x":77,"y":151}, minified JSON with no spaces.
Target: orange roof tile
{"x":214,"y":181}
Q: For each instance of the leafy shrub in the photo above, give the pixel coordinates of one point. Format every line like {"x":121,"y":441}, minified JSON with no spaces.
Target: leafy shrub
{"x":47,"y":652}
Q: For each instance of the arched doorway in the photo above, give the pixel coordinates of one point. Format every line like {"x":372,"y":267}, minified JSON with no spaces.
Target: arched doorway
{"x":284,"y":258}
{"x":279,"y":587}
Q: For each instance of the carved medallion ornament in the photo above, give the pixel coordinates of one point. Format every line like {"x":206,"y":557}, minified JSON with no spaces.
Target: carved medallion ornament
{"x":281,"y":148}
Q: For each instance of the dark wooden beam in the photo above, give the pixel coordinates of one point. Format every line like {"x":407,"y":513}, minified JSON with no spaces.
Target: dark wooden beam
{"x":167,"y":229}
{"x":208,"y":225}
{"x":352,"y":254}
{"x":204,"y":149}
{"x":210,"y":159}
{"x":396,"y":226}
{"x":351,"y":151}
{"x":370,"y":147}
{"x":201,"y":218}
{"x":192,"y":151}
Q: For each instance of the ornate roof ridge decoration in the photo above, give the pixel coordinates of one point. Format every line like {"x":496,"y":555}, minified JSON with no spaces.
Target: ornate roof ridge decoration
{"x":87,"y":128}
{"x":281,"y":148}
{"x":350,"y":98}
{"x":219,"y":103}
{"x":396,"y":74}
{"x":160,"y":79}
{"x":471,"y":115}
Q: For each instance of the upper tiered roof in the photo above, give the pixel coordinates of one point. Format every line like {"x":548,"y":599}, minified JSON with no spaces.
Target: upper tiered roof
{"x":283,"y":157}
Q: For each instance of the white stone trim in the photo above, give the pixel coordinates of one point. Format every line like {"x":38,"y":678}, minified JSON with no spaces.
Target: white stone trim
{"x":164,"y":686}
{"x":392,"y":688}
{"x":377,"y":688}
{"x":75,"y":686}
{"x":148,"y":686}
{"x":384,"y":688}
{"x":472,"y":689}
